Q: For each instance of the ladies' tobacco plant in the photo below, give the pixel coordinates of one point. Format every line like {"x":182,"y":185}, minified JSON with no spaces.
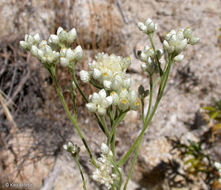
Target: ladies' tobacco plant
{"x":114,"y":98}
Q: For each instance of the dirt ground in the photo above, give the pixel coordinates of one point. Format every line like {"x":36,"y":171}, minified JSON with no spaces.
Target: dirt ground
{"x":33,"y":126}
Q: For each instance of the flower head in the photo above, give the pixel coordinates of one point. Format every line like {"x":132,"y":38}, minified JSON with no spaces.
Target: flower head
{"x":104,"y":173}
{"x":99,"y":102}
{"x":109,"y":71}
{"x":66,"y":37}
{"x":148,"y":27}
{"x":56,"y":48}
{"x":72,"y":148}
{"x":69,"y":56}
{"x":30,"y":41}
{"x":176,"y":42}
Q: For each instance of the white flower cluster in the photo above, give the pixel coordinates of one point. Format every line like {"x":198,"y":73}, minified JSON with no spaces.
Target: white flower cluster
{"x":176,"y":42}
{"x":56,"y":48}
{"x":147,"y":56}
{"x":109,"y":72}
{"x":104,"y":173}
{"x":148,"y":27}
{"x":99,"y":102}
{"x":218,"y":167}
{"x":30,"y":41}
{"x":125,"y":99}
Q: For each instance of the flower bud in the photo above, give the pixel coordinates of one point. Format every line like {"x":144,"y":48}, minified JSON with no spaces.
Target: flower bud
{"x":107,"y":84}
{"x":166,"y":45}
{"x":64,"y":61}
{"x":135,"y":105}
{"x":123,"y":104}
{"x":59,"y":30}
{"x":78,"y":53}
{"x":115,"y":97}
{"x":117,"y":82}
{"x":159,"y":53}
{"x":142,"y":27}
{"x":84,"y":76}
{"x":91,"y":107}
{"x":127,"y":62}
{"x":187,"y":33}
{"x":96,"y":74}
{"x":40,"y":53}
{"x":127,"y":83}
{"x":72,"y":148}
{"x":109,"y":101}
{"x":123,"y":93}
{"x":180,"y":34}
{"x":101,"y":110}
{"x":104,"y":149}
{"x":143,"y":57}
{"x":95,"y":98}
{"x":23,"y":45}
{"x":144,"y":67}
{"x":151,"y":27}
{"x":179,"y":58}
{"x":193,"y":41}
{"x":132,"y":97}
{"x":34,"y":51}
{"x":53,"y":39}
{"x":37,"y":38}
{"x":42,"y":44}
{"x":102,"y":93}
{"x":72,"y":35}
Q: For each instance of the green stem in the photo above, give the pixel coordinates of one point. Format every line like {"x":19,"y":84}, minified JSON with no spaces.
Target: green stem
{"x":113,"y":132}
{"x":110,"y":114}
{"x":60,"y":94}
{"x":133,"y":164}
{"x":73,"y":97}
{"x":113,"y":142}
{"x":96,"y":85}
{"x":105,"y":127}
{"x":126,"y":156}
{"x":116,"y":123}
{"x":165,"y":80}
{"x":142,"y":105}
{"x":150,"y":100}
{"x":155,"y":54}
{"x":82,"y":175}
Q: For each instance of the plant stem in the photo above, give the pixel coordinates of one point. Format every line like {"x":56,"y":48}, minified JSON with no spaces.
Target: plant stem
{"x":82,"y":175}
{"x":73,"y":96}
{"x":60,"y":94}
{"x":142,"y":105}
{"x":105,"y":127}
{"x":126,"y":156}
{"x":150,"y":99}
{"x":146,"y":124}
{"x":155,"y":54}
{"x":116,"y":122}
{"x":133,"y":164}
{"x":113,"y":132}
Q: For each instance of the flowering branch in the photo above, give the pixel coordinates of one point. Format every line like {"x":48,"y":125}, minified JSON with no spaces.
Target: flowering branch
{"x":115,"y":97}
